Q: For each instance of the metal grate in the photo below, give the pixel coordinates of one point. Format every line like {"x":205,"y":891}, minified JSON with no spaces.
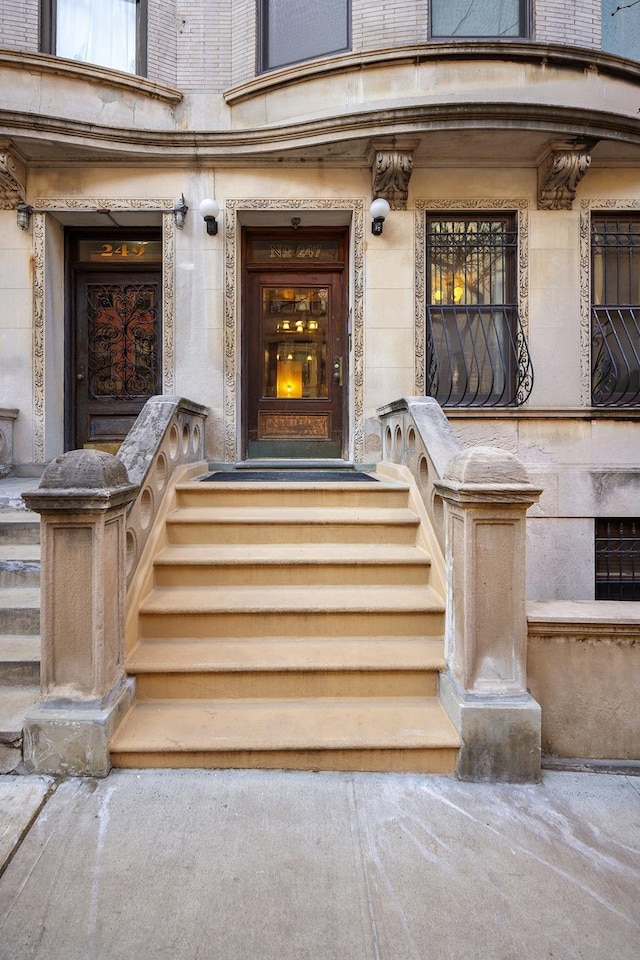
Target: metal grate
{"x":615,"y":311}
{"x":617,"y":545}
{"x":477,"y":354}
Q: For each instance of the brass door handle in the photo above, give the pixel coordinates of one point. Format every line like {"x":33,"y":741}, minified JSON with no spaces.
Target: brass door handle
{"x":337,"y":370}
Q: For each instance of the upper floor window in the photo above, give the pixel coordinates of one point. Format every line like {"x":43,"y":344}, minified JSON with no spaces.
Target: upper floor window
{"x":108,"y":33}
{"x":621,"y":28}
{"x":295,"y":30}
{"x":615,"y":309}
{"x":477,"y":355}
{"x":479,"y":18}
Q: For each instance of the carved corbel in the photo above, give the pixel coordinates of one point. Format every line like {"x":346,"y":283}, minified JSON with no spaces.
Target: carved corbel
{"x":560,"y":173}
{"x":391,"y":174}
{"x":13,"y":179}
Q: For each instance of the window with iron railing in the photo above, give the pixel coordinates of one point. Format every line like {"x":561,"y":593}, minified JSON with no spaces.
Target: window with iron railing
{"x":615,"y":310}
{"x":477,"y":353}
{"x":617,"y":544}
{"x":295,"y":30}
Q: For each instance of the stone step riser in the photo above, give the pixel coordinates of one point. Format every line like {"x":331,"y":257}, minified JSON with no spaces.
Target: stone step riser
{"x":23,"y":620}
{"x":312,"y":575}
{"x":19,"y":533}
{"x":181,"y":533}
{"x":221,"y":495}
{"x":288,"y":624}
{"x":19,"y":673}
{"x":433,"y":760}
{"x":19,"y":573}
{"x":293,"y":684}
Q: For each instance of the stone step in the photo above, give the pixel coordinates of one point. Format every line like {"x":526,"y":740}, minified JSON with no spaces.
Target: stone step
{"x":327,"y":611}
{"x":361,"y":733}
{"x":19,"y":527}
{"x":311,"y":667}
{"x":19,"y":660}
{"x":19,"y":565}
{"x":296,"y":525}
{"x":315,"y":564}
{"x":14,"y":703}
{"x":293,"y":495}
{"x":20,"y":610}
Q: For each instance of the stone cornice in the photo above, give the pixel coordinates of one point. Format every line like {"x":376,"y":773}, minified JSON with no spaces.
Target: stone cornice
{"x":269,"y":143}
{"x":542,"y":53}
{"x":88,"y":73}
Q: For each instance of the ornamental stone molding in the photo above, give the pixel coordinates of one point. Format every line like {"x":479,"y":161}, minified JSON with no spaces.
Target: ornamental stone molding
{"x":390,"y":176}
{"x":480,"y":206}
{"x":44,"y":205}
{"x":232,"y":346}
{"x":13,"y":179}
{"x":560,"y":173}
{"x":621,"y":204}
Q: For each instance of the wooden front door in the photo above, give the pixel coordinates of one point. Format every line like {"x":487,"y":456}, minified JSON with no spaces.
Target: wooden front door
{"x":114,"y":333}
{"x":295,"y":344}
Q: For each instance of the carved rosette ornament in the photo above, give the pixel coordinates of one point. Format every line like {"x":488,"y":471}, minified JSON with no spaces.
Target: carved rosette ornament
{"x":13,"y":180}
{"x":560,"y":173}
{"x":391,"y":174}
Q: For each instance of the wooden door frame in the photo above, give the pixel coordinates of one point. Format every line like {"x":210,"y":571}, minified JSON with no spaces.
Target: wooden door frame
{"x":252,"y":268}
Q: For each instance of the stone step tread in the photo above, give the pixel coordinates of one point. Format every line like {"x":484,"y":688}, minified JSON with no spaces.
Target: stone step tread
{"x":18,"y":647}
{"x":20,"y":597}
{"x":14,"y":703}
{"x":264,"y":725}
{"x":297,"y":598}
{"x":312,"y":653}
{"x":26,"y":517}
{"x":292,"y":553}
{"x":251,"y":488}
{"x":294,"y":515}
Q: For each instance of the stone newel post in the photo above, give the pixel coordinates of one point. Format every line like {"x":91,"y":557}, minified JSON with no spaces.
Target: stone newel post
{"x":82,"y":501}
{"x":487,"y":492}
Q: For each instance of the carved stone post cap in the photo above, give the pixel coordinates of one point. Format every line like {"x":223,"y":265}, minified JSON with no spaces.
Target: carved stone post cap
{"x":486,"y":466}
{"x":84,"y":470}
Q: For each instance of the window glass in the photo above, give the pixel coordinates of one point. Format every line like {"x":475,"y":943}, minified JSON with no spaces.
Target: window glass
{"x":621,"y":28}
{"x":478,"y":18}
{"x":294,"y":30}
{"x":615,"y":310}
{"x":97,"y":31}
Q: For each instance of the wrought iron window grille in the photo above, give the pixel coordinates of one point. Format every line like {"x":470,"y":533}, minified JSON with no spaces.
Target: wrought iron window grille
{"x":617,"y":559}
{"x":615,"y":311}
{"x":477,"y":353}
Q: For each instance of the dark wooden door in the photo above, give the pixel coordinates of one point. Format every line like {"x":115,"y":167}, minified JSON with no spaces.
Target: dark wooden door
{"x":295,"y":353}
{"x":116,"y":362}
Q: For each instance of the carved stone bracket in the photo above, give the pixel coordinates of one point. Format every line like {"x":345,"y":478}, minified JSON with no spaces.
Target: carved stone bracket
{"x":391,"y":174}
{"x":13,"y":179}
{"x":560,"y":173}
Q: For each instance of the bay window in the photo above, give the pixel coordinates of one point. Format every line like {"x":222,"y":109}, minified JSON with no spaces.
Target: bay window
{"x":108,"y":33}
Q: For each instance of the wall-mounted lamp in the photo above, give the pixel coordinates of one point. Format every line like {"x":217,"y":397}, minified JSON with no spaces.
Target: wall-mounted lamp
{"x":379,"y":209}
{"x":210,"y":209}
{"x":23,"y":215}
{"x":180,"y":209}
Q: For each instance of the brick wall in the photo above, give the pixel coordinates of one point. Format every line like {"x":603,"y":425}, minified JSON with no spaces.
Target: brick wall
{"x":388,"y":23}
{"x":161,"y":42}
{"x":19,"y":21}
{"x":568,"y":21}
{"x":208,"y":45}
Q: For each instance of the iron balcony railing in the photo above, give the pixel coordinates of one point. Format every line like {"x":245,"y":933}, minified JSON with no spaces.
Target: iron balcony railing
{"x":615,"y":356}
{"x":477,"y":356}
{"x":617,"y":559}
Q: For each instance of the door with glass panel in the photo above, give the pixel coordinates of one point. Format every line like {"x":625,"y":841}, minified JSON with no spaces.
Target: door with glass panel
{"x":294,"y":340}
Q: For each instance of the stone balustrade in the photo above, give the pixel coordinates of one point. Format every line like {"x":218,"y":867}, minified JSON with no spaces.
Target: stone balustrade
{"x":477,"y":501}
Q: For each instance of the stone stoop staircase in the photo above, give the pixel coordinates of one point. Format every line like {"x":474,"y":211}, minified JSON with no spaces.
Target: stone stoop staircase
{"x":19,"y":622}
{"x":290,"y":625}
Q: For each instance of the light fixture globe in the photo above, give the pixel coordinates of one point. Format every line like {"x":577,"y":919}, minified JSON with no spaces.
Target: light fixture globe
{"x":210,"y":209}
{"x":379,"y":209}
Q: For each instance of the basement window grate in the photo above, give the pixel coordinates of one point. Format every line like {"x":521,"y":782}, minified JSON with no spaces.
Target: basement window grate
{"x":617,"y":544}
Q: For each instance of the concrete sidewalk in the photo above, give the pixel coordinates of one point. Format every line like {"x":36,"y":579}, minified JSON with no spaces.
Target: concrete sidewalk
{"x":252,"y":865}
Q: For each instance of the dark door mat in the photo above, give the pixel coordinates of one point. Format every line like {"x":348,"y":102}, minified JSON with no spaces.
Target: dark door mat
{"x":288,"y":476}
